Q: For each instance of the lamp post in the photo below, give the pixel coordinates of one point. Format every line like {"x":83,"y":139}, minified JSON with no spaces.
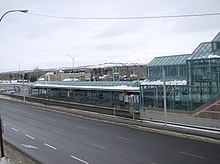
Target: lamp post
{"x":73,"y":58}
{"x":19,"y":70}
{"x":10,"y":11}
{"x":21,"y":78}
{"x":1,"y":125}
{"x":23,"y":11}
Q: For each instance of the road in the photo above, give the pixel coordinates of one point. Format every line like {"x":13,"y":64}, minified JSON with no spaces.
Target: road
{"x":56,"y":138}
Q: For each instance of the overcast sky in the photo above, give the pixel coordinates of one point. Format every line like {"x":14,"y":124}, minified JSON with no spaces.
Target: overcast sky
{"x":33,"y":41}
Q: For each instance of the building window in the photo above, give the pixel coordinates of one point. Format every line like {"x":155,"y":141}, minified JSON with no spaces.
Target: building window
{"x":216,"y":46}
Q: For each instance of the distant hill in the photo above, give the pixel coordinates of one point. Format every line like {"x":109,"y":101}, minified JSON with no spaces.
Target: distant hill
{"x":127,"y":71}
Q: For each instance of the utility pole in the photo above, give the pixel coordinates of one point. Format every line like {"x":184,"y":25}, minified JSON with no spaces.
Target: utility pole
{"x":23,"y":86}
{"x":164,"y":98}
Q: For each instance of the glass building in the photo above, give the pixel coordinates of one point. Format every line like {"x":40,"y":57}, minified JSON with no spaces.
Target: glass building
{"x":191,"y":79}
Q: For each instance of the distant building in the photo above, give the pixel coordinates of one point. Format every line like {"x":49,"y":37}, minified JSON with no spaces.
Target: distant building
{"x":62,"y":76}
{"x":191,"y":79}
{"x":49,"y":76}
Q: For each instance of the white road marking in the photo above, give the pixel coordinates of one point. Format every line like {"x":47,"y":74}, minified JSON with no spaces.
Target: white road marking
{"x":32,"y":123}
{"x":29,"y":146}
{"x":15,"y":129}
{"x":4,"y":124}
{"x":52,"y":119}
{"x":52,"y":147}
{"x":102,"y":147}
{"x":78,"y":159}
{"x":190,"y":154}
{"x":123,"y":138}
{"x":29,"y":136}
{"x":81,"y":127}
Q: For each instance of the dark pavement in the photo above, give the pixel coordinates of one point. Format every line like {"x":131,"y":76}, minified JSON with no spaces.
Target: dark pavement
{"x":56,"y":138}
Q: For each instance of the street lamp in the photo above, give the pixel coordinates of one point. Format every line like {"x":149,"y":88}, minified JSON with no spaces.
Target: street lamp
{"x":1,"y":126}
{"x":21,"y":77}
{"x":10,"y":11}
{"x":73,"y":57}
{"x":23,"y":11}
{"x":19,"y":70}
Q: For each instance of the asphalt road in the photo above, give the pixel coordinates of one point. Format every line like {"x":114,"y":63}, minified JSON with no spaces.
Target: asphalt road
{"x":56,"y":138}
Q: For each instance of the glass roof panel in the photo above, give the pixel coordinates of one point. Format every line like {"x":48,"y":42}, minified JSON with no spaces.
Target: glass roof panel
{"x":165,"y":60}
{"x":169,"y":60}
{"x":202,"y":51}
{"x":217,"y":37}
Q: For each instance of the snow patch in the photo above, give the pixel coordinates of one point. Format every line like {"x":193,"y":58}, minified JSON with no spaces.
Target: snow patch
{"x":160,"y":82}
{"x":121,"y":87}
{"x":213,"y":56}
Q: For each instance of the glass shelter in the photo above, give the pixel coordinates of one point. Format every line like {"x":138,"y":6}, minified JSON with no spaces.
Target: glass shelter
{"x":107,"y":93}
{"x":191,"y":79}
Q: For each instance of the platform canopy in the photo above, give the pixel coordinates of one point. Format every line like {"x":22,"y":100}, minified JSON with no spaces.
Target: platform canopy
{"x":90,"y":85}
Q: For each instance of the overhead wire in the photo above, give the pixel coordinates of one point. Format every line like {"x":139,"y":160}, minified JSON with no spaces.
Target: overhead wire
{"x":127,"y":18}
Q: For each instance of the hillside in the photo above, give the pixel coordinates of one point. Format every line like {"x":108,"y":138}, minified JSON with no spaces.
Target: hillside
{"x":127,"y":71}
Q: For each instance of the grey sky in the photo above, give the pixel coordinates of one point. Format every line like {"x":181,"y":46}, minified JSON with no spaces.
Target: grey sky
{"x":45,"y":42}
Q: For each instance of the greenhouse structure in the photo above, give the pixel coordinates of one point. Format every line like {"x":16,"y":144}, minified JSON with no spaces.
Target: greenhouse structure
{"x":190,"y":79}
